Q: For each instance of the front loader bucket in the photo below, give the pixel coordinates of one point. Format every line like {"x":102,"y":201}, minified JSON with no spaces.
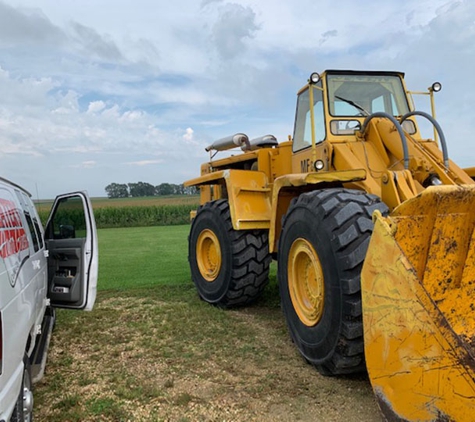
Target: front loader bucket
{"x":418,"y":297}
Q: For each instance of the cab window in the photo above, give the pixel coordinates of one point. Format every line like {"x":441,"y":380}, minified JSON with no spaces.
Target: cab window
{"x":303,"y":125}
{"x":362,"y":95}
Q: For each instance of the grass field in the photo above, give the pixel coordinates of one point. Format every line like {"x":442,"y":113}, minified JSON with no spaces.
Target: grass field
{"x":143,"y":257}
{"x":152,"y":351}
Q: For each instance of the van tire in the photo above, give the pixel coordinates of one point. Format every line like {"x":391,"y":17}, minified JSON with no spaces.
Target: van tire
{"x":23,"y":411}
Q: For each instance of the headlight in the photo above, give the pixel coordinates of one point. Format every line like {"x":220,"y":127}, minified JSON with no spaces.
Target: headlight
{"x":319,"y":165}
{"x":314,"y":78}
{"x":436,"y":86}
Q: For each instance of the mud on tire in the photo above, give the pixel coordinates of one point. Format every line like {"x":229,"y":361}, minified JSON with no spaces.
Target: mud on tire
{"x":229,"y":267}
{"x":336,"y":225}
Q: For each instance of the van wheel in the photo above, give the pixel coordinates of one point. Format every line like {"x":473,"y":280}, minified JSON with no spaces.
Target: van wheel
{"x":229,"y":267}
{"x":322,"y":247}
{"x":23,"y":411}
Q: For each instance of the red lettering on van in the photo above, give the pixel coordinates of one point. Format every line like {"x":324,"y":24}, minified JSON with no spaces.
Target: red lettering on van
{"x":13,"y":238}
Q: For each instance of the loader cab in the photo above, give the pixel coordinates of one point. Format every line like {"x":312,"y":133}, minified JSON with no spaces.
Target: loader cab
{"x":334,"y":105}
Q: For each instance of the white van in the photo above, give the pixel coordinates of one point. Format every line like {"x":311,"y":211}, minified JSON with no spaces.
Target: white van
{"x":39,"y":270}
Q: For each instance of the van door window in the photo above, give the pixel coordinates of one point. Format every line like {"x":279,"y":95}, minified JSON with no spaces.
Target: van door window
{"x":69,"y":220}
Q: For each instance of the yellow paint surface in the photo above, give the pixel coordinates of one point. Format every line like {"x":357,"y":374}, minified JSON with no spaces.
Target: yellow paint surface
{"x":418,"y":307}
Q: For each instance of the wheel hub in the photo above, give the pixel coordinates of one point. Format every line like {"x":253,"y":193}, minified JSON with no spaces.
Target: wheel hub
{"x":27,"y":403}
{"x":208,"y":255}
{"x":306,"y":282}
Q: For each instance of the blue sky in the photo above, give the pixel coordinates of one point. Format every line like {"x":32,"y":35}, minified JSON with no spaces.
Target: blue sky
{"x":102,"y":91}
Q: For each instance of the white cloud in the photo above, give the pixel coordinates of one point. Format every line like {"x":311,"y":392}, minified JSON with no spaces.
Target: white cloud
{"x":26,"y":26}
{"x":80,"y":149}
{"x":144,"y":162}
{"x":68,"y":102}
{"x":188,"y":136}
{"x":92,"y":43}
{"x":132,"y":115}
{"x":88,"y":164}
{"x":235,"y":25}
{"x":96,"y":106}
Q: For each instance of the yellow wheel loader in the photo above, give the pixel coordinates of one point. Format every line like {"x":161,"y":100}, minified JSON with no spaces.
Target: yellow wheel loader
{"x":372,"y":227}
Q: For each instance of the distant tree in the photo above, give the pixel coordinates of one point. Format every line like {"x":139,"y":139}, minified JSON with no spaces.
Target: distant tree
{"x":164,"y":189}
{"x":178,"y":189}
{"x":117,"y":190}
{"x":133,"y":189}
{"x":190,"y":190}
{"x":141,"y":189}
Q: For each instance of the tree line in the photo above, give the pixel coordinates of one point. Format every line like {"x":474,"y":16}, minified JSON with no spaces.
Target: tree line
{"x":126,"y":190}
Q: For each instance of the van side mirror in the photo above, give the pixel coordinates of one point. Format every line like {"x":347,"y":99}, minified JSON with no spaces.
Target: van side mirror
{"x":67,"y":231}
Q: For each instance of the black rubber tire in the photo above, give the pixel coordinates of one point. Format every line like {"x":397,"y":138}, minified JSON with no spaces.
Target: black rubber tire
{"x":244,"y":270}
{"x":338,"y":225}
{"x":19,"y":415}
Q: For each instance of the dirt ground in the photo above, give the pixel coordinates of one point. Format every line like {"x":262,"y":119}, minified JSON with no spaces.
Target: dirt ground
{"x":151,"y":361}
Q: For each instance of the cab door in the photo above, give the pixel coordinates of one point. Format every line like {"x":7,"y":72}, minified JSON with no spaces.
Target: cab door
{"x":71,"y":241}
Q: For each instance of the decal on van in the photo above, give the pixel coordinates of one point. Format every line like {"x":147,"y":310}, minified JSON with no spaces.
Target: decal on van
{"x":13,"y":238}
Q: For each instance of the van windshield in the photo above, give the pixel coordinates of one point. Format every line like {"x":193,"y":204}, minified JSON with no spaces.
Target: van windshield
{"x":361,"y":95}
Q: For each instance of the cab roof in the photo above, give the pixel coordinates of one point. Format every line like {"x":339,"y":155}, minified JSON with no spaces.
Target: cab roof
{"x":362,"y":72}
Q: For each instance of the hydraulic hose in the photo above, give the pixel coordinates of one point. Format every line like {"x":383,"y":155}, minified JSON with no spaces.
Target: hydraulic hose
{"x":443,"y":143}
{"x":399,"y":129}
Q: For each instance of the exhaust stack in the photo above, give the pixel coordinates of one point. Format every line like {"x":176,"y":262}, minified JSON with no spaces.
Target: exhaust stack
{"x":237,"y":140}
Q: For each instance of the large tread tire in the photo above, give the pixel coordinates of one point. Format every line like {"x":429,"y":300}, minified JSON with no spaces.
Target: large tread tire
{"x":337,"y":223}
{"x":241,"y":272}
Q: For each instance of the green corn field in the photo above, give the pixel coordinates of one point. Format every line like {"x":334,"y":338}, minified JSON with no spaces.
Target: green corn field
{"x":135,"y":212}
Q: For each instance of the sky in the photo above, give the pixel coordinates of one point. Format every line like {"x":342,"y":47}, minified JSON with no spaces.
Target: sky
{"x":95,"y":92}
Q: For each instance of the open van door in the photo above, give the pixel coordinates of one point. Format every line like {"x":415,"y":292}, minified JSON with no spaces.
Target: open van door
{"x":71,"y":241}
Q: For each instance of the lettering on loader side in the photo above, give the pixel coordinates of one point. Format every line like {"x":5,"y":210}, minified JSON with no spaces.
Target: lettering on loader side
{"x":305,"y":165}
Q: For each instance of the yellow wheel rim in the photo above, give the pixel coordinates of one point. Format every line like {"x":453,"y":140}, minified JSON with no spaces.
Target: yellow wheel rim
{"x":306,"y":282}
{"x":208,"y":255}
